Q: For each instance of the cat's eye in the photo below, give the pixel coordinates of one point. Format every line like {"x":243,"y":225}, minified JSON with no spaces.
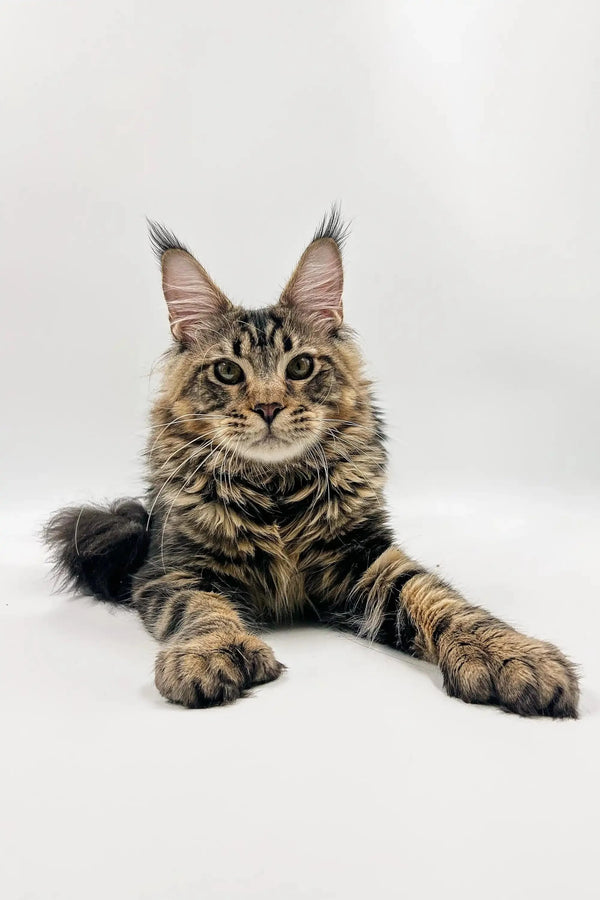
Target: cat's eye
{"x":300,"y":367}
{"x":228,"y":371}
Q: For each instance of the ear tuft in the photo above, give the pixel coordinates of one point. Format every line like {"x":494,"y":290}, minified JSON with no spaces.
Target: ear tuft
{"x":162,"y":239}
{"x":333,"y":226}
{"x":192,"y":297}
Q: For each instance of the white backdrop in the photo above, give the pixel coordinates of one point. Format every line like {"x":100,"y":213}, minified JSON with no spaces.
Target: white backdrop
{"x":462,"y":138}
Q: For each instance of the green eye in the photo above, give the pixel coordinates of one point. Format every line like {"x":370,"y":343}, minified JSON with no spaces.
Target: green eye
{"x":300,"y":367}
{"x":228,"y":372}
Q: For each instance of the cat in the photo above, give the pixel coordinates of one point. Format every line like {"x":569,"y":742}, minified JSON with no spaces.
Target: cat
{"x":265,"y":505}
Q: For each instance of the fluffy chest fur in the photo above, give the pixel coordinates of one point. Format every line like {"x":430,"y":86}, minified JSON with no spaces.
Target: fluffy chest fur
{"x":270,"y":531}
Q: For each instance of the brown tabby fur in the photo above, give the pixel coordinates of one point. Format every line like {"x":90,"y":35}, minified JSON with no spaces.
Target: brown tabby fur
{"x":242,"y":536}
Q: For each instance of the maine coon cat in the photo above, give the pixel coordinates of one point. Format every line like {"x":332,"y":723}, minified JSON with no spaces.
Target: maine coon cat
{"x":266,"y":470}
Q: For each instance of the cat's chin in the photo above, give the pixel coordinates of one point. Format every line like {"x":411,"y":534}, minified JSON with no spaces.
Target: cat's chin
{"x":272,"y":450}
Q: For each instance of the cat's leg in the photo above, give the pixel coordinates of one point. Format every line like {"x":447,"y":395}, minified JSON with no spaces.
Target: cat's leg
{"x":210,"y":657}
{"x":395,"y":601}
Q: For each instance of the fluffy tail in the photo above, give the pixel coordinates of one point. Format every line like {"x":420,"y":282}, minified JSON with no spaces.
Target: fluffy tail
{"x":98,"y":549}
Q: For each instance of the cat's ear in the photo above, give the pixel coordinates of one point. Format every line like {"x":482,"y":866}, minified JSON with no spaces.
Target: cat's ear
{"x":315,"y":288}
{"x":192,"y":297}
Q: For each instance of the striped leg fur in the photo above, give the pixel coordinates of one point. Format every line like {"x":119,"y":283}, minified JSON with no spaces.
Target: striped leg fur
{"x":209,"y":658}
{"x":482,"y":659}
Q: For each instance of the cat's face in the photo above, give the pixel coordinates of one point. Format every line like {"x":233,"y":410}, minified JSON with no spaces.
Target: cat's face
{"x":270,"y":386}
{"x":265,"y":385}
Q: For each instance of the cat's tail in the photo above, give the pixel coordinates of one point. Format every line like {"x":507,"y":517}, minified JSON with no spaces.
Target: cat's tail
{"x":98,"y":549}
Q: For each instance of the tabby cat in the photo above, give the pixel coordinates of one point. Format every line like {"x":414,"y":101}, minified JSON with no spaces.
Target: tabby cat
{"x":265,"y":505}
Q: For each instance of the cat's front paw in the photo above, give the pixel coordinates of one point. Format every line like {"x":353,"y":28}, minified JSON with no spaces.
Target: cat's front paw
{"x":214,"y":669}
{"x":495,"y":664}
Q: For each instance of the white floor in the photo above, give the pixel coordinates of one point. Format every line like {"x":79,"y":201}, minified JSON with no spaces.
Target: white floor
{"x":352,"y":776}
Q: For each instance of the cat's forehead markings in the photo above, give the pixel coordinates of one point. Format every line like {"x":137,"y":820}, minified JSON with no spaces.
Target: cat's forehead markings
{"x":244,"y":342}
{"x":260,"y":331}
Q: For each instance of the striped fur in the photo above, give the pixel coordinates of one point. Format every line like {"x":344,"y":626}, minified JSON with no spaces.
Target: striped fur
{"x":255,"y":523}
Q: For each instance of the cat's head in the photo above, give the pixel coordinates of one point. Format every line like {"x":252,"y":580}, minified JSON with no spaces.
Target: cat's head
{"x":267,"y":384}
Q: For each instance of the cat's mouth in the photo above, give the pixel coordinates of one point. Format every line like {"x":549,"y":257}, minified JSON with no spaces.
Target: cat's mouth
{"x":273,"y":448}
{"x":271,"y":438}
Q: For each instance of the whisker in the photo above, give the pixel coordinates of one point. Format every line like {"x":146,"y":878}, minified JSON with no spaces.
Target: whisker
{"x":195,"y":440}
{"x":188,"y":416}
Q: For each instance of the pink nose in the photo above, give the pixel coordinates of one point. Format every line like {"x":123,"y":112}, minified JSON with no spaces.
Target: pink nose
{"x":268,"y":411}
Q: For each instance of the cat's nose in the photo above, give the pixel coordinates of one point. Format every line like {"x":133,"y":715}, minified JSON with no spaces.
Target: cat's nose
{"x":268,"y":411}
